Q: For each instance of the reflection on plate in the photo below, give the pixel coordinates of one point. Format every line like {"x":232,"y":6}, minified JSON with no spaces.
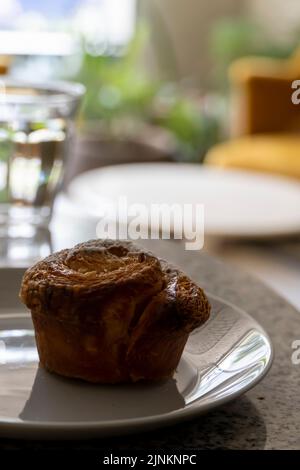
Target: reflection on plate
{"x":222,"y":360}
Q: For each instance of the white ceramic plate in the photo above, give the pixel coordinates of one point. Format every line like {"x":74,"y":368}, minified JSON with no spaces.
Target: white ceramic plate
{"x":236,"y":203}
{"x":222,"y":360}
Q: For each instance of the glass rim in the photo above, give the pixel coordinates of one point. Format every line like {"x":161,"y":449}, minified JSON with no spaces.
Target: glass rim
{"x":51,"y":93}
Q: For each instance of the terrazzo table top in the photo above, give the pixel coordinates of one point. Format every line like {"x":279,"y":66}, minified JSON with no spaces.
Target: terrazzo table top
{"x":266,"y":417}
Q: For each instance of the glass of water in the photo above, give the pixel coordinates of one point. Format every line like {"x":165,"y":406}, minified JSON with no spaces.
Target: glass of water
{"x":36,"y":125}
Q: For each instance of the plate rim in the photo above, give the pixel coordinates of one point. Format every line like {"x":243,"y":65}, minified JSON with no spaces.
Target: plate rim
{"x":148,"y":422}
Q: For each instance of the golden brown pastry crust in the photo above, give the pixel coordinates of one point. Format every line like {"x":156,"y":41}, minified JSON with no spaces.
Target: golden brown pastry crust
{"x":107,"y":311}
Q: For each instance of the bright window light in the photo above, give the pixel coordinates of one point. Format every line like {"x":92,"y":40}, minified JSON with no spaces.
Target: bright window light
{"x":32,"y":27}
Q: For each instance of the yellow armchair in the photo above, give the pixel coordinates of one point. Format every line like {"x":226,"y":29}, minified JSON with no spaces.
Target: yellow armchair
{"x":265,"y":122}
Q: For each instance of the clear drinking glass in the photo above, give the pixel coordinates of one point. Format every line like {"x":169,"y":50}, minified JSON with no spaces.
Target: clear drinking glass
{"x":36,"y":124}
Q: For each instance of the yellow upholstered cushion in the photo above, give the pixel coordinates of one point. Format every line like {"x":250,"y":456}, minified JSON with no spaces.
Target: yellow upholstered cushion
{"x":277,"y":153}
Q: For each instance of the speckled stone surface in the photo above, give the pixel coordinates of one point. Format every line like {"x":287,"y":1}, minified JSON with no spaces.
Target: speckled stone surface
{"x":268,"y":416}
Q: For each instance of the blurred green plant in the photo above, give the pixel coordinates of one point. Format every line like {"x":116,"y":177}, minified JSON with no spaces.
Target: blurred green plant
{"x":122,"y":96}
{"x":232,"y":38}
